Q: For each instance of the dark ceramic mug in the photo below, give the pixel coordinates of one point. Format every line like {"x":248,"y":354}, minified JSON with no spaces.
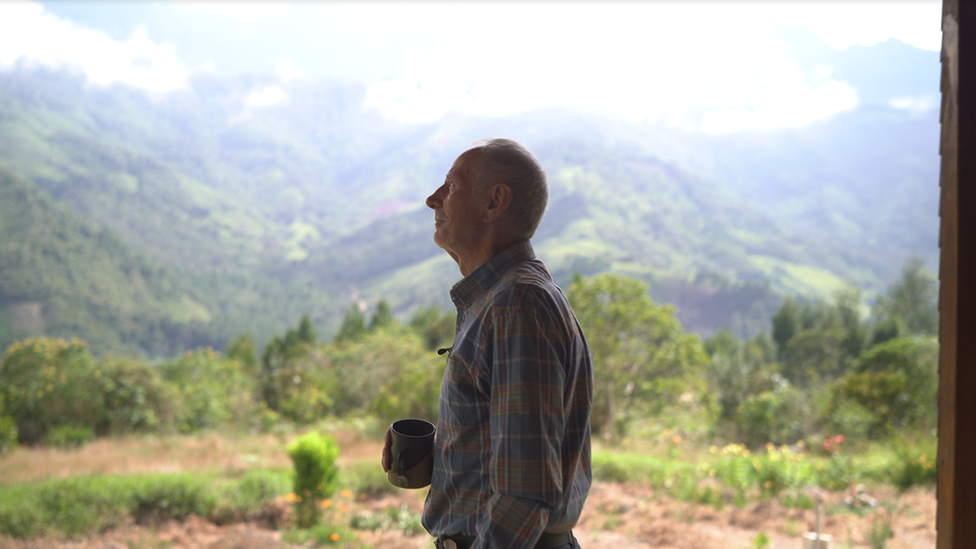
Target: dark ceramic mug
{"x":411,"y":442}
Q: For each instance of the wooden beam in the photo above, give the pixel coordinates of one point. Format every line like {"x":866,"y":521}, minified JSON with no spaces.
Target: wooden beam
{"x":956,"y":516}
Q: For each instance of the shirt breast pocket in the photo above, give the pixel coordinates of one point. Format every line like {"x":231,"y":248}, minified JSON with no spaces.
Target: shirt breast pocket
{"x":464,"y":403}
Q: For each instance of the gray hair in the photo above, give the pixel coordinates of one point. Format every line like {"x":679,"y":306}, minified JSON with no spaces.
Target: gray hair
{"x":507,"y":161}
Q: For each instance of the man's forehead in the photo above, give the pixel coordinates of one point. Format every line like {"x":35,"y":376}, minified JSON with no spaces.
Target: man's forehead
{"x":462,"y":164}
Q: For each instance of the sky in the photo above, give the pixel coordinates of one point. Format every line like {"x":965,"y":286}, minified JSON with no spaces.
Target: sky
{"x":717,"y":67}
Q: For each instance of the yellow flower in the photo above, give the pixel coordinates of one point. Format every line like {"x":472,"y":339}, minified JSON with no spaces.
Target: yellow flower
{"x":667,"y":432}
{"x":346,"y":493}
{"x":292,"y":497}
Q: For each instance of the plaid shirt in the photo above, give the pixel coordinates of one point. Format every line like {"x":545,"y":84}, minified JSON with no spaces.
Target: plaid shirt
{"x":512,"y":455}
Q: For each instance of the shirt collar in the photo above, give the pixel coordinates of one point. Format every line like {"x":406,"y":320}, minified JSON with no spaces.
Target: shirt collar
{"x":484,"y":277}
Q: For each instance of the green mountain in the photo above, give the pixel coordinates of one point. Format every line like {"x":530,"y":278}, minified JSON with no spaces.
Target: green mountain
{"x":63,"y":277}
{"x":250,"y":217}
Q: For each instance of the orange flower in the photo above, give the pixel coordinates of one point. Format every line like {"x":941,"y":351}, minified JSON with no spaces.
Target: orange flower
{"x":334,"y":537}
{"x":326,"y":503}
{"x":346,"y":493}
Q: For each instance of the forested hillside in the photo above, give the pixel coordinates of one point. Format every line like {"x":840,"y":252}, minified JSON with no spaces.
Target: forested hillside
{"x":259,"y":214}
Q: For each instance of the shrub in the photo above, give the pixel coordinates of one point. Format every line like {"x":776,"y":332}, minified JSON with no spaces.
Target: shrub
{"x":366,"y":478}
{"x":8,"y":434}
{"x":75,"y":506}
{"x":215,"y":391}
{"x":136,"y":398}
{"x":66,"y":436}
{"x":313,"y":456}
{"x":386,"y":372}
{"x":8,"y":431}
{"x":47,"y":383}
{"x":771,"y":416}
{"x":916,"y":465}
{"x":161,"y":497}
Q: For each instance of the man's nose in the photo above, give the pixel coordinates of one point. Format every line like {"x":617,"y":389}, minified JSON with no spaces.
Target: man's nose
{"x":434,"y":201}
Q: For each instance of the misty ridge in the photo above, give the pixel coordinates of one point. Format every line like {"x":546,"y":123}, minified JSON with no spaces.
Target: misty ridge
{"x":168,"y":221}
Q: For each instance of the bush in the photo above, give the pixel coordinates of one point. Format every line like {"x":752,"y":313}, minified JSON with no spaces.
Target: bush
{"x":388,"y":373}
{"x":160,"y":497}
{"x":65,"y":436}
{"x":8,"y":431}
{"x":8,"y":434}
{"x":315,"y":478}
{"x":48,"y":383}
{"x":82,"y":505}
{"x":215,"y":390}
{"x":916,"y":465}
{"x":366,"y":478}
{"x":136,"y":398}
{"x":771,"y":416}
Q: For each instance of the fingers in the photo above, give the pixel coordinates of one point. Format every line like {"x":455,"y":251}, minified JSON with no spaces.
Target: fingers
{"x":385,"y":459}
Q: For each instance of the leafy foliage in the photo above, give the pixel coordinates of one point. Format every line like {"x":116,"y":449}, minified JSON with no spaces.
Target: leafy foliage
{"x":49,"y":383}
{"x":215,"y":392}
{"x":642,"y":358}
{"x":313,"y":456}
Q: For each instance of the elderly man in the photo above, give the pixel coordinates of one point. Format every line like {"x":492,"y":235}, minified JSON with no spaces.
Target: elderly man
{"x":512,"y":456}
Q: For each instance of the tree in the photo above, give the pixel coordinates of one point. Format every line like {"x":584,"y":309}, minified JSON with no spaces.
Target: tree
{"x":47,"y":383}
{"x":894,"y":385}
{"x":913,"y":299}
{"x":382,"y":317}
{"x":813,"y":356}
{"x":434,"y":326}
{"x":306,"y":331}
{"x":786,"y":323}
{"x":243,"y":349}
{"x":353,"y":324}
{"x":642,"y":358}
{"x":847,"y":303}
{"x":739,"y":370}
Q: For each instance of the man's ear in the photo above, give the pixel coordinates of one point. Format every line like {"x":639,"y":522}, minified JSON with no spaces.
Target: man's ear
{"x":499,"y":199}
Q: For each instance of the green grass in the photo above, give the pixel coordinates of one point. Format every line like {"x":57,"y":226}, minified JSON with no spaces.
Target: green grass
{"x":79,"y":505}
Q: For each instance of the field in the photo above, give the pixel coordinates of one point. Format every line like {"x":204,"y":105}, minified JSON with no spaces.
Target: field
{"x":626,"y":507}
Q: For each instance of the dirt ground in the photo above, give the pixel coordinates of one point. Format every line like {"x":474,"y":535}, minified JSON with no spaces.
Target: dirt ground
{"x":616,"y":516}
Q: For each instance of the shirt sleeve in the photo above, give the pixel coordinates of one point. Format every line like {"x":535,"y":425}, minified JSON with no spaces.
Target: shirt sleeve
{"x":527,"y":422}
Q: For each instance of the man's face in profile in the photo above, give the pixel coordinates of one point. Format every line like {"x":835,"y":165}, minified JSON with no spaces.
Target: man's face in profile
{"x":457,"y":215}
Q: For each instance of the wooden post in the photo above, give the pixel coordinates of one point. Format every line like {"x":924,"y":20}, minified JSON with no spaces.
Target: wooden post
{"x":956,"y":517}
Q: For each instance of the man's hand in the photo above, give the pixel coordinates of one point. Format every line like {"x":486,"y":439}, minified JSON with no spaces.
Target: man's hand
{"x":386,"y":459}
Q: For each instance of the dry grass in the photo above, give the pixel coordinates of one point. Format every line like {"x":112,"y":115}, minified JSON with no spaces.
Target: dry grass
{"x":169,"y":454}
{"x":615,"y":516}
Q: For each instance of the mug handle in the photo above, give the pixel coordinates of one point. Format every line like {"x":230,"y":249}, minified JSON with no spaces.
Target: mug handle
{"x":401,"y":462}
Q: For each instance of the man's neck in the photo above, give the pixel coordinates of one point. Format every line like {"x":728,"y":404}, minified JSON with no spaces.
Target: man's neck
{"x":483,"y":254}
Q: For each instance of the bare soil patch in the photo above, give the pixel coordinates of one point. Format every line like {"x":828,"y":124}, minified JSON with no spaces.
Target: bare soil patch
{"x":616,"y":515}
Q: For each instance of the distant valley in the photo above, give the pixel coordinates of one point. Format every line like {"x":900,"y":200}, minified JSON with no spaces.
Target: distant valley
{"x":159,"y":223}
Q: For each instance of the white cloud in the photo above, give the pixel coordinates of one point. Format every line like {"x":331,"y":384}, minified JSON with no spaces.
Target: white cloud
{"x":267,"y":96}
{"x":842,"y":24}
{"x":287,"y":70}
{"x":31,"y":36}
{"x":716,"y":66}
{"x":915,"y":105}
{"x":657,"y":61}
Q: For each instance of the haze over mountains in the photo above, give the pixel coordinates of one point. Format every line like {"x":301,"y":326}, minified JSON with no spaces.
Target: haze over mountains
{"x":243,"y":202}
